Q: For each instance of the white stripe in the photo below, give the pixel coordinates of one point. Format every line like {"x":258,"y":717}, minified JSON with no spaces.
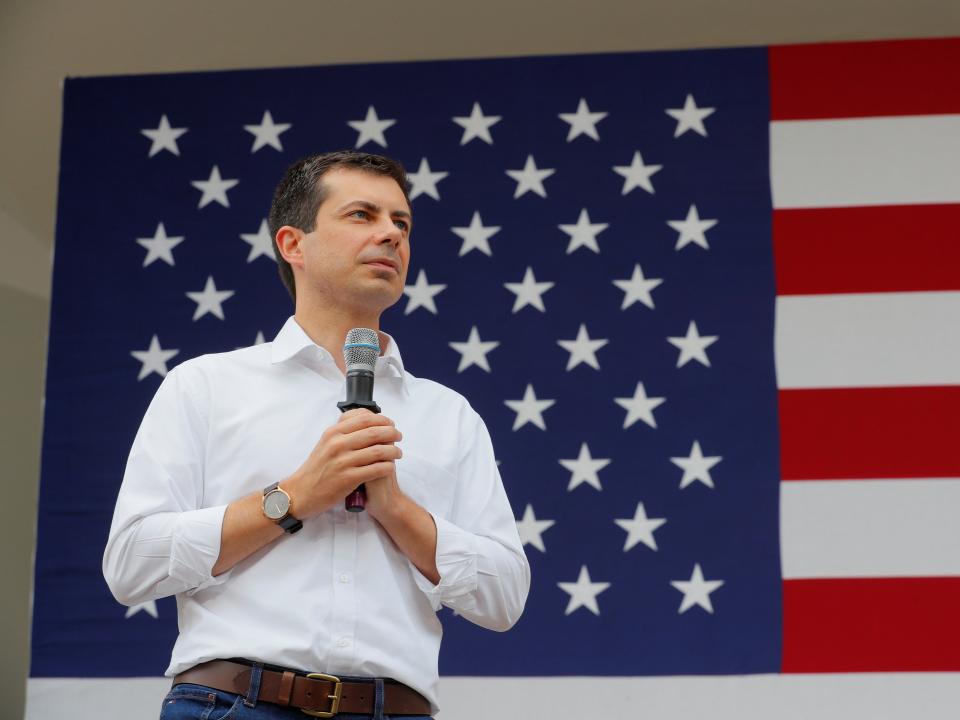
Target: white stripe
{"x":870,"y":528}
{"x":868,"y":340}
{"x":881,"y":696}
{"x":865,"y":161}
{"x":95,"y":698}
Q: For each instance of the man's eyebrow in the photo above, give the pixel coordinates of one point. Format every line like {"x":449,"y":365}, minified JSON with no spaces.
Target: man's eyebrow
{"x":365,"y":204}
{"x":373,"y":207}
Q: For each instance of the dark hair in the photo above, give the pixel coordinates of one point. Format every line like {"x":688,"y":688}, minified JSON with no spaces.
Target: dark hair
{"x":300,"y":193}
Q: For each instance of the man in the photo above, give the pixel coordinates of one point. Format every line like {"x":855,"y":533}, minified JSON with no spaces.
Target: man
{"x":230,"y":501}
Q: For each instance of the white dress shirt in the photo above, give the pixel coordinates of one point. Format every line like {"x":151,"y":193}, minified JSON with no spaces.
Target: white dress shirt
{"x":338,"y":596}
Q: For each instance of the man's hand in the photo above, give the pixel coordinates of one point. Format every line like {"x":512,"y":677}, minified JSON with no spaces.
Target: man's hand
{"x":410,"y":527}
{"x":384,"y":495}
{"x":360,"y":448}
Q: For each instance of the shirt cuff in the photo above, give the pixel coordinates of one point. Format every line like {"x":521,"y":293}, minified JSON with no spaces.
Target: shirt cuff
{"x":196,"y":547}
{"x":456,"y":559}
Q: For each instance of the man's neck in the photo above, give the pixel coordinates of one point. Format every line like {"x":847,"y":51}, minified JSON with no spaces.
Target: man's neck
{"x":328,"y":327}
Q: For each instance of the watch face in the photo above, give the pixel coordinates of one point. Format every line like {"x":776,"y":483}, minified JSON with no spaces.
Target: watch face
{"x":276,"y":504}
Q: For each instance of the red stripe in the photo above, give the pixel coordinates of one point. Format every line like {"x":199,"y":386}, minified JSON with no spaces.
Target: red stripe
{"x":852,"y":433}
{"x":837,"y":80}
{"x":871,"y":625}
{"x":867,"y":249}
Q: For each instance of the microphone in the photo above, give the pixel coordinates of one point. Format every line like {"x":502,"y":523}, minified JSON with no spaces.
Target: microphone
{"x":360,"y":352}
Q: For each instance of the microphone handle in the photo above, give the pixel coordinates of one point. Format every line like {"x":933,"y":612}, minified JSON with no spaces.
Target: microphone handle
{"x":359,"y":395}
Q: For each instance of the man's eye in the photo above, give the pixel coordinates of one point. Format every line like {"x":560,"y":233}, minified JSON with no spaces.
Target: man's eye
{"x":360,"y":214}
{"x":401,"y":224}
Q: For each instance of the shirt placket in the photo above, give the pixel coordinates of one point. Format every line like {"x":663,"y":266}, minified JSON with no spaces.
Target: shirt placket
{"x":344,"y":617}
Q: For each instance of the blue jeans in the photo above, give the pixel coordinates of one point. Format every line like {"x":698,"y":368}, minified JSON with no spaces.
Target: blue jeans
{"x":198,"y":702}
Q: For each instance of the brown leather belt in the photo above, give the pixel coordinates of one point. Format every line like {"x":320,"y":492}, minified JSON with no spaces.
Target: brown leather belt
{"x":315,"y":694}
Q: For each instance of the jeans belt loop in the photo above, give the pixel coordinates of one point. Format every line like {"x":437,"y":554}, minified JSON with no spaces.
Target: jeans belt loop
{"x":256,"y":672}
{"x":378,"y":699}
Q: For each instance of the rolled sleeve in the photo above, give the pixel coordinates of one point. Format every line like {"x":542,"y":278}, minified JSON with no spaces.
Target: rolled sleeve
{"x":162,"y":541}
{"x":484,"y":573}
{"x":195,"y":548}
{"x":457,"y":559}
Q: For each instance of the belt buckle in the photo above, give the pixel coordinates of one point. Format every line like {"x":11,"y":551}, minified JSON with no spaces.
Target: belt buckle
{"x":334,"y":699}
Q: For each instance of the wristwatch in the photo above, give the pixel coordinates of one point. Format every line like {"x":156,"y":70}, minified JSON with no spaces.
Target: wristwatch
{"x":276,"y":506}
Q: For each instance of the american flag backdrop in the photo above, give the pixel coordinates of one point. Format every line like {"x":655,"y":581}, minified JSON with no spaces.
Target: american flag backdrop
{"x":707,"y":303}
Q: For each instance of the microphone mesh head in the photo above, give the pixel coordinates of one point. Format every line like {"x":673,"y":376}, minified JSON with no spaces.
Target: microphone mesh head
{"x":361,"y":349}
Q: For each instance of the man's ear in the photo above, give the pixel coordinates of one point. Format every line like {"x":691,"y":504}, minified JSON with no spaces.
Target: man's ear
{"x":289,"y":241}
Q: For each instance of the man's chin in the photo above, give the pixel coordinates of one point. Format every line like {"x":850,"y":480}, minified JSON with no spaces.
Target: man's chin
{"x":381,"y":298}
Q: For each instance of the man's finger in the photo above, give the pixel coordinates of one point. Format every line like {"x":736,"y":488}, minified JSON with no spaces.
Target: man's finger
{"x":353,"y":420}
{"x":373,"y":435}
{"x":355,"y":412}
{"x":374,"y":454}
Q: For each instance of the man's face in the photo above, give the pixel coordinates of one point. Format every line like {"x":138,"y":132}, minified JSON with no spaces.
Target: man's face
{"x":359,"y":250}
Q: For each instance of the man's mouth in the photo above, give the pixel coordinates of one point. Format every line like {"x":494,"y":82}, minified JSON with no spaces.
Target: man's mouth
{"x":383,"y":263}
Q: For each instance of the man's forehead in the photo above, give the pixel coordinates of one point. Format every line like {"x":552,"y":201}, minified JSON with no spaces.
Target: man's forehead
{"x":347,"y":184}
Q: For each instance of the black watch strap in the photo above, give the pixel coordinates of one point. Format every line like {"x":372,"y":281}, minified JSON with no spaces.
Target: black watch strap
{"x":290,"y":524}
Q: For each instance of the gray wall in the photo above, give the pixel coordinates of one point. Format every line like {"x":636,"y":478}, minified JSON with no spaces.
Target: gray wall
{"x":43,"y":41}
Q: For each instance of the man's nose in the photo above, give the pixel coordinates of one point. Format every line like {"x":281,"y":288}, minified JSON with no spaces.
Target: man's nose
{"x":389,"y":233}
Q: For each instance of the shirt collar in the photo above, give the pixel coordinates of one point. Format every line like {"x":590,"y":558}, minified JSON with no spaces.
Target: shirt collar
{"x":292,"y":340}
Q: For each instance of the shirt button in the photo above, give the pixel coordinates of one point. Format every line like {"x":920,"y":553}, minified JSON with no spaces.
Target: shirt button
{"x":344,"y":578}
{"x":343,"y":642}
